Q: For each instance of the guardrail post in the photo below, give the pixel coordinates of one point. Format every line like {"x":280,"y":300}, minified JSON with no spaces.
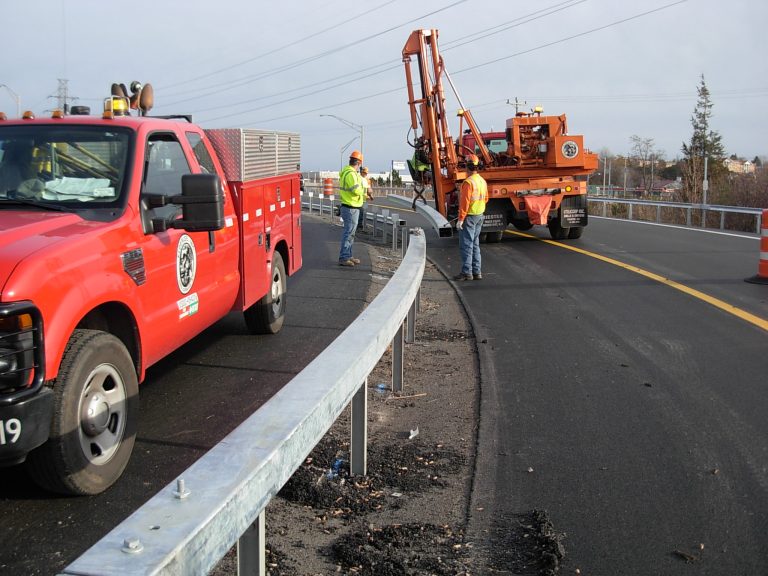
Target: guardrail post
{"x":658,"y":214}
{"x":251,"y":557}
{"x":403,"y":241}
{"x":397,"y":360}
{"x":630,"y":211}
{"x":384,"y":216}
{"x":375,"y":221}
{"x":688,"y":216}
{"x":411,"y":336}
{"x":395,"y":224}
{"x":358,"y":449}
{"x":722,"y":220}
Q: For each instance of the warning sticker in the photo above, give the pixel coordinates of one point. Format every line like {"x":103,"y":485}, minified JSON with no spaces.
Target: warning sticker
{"x":187,"y":305}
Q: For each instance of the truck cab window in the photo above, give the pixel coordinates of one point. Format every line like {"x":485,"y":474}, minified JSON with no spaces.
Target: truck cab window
{"x":165,"y":166}
{"x":201,"y":152}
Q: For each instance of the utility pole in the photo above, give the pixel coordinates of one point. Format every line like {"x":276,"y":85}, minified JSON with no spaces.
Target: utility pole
{"x":517,"y":104}
{"x":62,"y":96}
{"x":625,"y":177}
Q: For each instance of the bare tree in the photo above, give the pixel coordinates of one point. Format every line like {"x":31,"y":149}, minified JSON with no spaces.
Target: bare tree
{"x":647,"y":156}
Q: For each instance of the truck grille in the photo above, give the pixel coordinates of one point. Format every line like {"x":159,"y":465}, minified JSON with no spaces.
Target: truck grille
{"x":21,"y":348}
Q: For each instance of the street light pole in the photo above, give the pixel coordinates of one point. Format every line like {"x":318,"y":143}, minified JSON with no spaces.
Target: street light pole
{"x":341,"y":153}
{"x":15,"y":97}
{"x":352,"y":125}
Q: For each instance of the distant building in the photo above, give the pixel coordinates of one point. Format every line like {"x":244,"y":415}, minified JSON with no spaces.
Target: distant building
{"x":739,"y":166}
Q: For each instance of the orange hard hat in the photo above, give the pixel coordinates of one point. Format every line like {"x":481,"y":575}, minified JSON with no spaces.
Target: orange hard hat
{"x":472,"y":160}
{"x":357,"y":155}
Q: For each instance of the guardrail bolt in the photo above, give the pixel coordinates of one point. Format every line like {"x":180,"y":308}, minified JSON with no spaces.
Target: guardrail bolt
{"x":181,"y":491}
{"x":132,"y":546}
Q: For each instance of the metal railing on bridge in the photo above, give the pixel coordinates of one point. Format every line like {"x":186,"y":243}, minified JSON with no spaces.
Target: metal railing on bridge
{"x":736,"y":218}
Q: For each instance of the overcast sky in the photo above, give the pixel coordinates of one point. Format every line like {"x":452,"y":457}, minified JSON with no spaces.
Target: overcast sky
{"x":616,"y":69}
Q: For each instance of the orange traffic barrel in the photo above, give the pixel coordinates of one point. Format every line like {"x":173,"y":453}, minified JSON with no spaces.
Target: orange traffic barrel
{"x":762,"y":267}
{"x":328,"y":186}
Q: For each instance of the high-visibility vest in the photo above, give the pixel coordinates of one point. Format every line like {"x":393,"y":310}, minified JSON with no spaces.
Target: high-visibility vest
{"x":351,"y":187}
{"x":474,"y":195}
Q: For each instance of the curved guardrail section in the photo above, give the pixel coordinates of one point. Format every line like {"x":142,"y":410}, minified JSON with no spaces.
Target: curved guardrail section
{"x":189,"y":525}
{"x":441,"y":225}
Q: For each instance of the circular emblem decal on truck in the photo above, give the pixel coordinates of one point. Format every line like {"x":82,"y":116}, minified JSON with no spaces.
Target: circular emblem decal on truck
{"x":186,"y":263}
{"x":569,"y":149}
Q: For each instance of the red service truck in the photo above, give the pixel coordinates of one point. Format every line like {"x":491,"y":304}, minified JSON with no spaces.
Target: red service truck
{"x":122,"y":236}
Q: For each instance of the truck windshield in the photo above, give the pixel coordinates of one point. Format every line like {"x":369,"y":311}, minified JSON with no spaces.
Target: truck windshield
{"x":67,"y":166}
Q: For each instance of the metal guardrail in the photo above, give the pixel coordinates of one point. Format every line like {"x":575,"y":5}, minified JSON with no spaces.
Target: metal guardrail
{"x":189,"y":525}
{"x":381,"y":221}
{"x":670,"y":207}
{"x":441,"y":225}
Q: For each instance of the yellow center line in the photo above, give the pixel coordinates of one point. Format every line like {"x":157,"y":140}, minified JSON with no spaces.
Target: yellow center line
{"x":743,"y":314}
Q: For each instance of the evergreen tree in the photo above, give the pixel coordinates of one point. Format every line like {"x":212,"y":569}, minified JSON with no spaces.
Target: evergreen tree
{"x":704,"y":143}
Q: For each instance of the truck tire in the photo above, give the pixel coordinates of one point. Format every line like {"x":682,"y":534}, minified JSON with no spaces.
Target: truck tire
{"x":268,"y":314}
{"x":494,"y":237}
{"x":556,"y":231}
{"x":96,"y":405}
{"x":575,"y":232}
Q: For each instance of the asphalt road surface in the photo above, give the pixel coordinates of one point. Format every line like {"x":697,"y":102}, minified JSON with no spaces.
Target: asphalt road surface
{"x":630,"y":411}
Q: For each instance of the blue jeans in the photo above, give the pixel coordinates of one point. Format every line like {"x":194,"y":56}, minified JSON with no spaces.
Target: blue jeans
{"x":350,"y":217}
{"x":469,"y":244}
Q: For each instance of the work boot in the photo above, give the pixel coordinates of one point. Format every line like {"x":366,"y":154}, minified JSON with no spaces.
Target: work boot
{"x":477,"y":276}
{"x":462,"y":277}
{"x":349,"y":263}
{"x":355,"y":261}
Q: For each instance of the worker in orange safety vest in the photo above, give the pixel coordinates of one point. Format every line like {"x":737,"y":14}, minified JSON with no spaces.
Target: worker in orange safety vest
{"x":473,"y":197}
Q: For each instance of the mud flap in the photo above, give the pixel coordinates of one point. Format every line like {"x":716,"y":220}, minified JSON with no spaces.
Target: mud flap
{"x":495,"y":217}
{"x":573,"y":211}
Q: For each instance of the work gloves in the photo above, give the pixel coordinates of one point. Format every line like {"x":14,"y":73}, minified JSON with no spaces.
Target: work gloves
{"x":459,"y":224}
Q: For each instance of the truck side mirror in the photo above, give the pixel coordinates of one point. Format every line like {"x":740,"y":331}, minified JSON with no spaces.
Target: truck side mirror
{"x":201,"y":201}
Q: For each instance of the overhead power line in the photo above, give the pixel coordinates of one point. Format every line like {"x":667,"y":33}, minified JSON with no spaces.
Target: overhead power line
{"x":473,"y":67}
{"x":320,"y":55}
{"x":355,"y":76}
{"x":585,"y":33}
{"x":279,"y":48}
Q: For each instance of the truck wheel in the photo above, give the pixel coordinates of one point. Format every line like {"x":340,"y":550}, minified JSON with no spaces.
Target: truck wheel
{"x":556,"y":231}
{"x":96,"y":396}
{"x":495,"y":236}
{"x":267,"y":315}
{"x":575,"y":232}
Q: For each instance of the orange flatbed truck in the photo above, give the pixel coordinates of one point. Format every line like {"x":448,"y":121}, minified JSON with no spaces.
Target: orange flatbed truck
{"x":122,"y":237}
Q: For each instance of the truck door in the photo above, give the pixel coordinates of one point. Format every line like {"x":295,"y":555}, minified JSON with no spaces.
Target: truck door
{"x":191,"y":277}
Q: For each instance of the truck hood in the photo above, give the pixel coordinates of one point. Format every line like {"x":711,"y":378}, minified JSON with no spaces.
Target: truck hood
{"x":25,"y":232}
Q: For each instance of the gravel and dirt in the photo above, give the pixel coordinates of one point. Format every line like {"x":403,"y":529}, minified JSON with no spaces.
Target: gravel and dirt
{"x":409,"y":514}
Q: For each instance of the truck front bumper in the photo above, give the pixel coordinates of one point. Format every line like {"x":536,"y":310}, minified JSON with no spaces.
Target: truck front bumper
{"x":24,"y":426}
